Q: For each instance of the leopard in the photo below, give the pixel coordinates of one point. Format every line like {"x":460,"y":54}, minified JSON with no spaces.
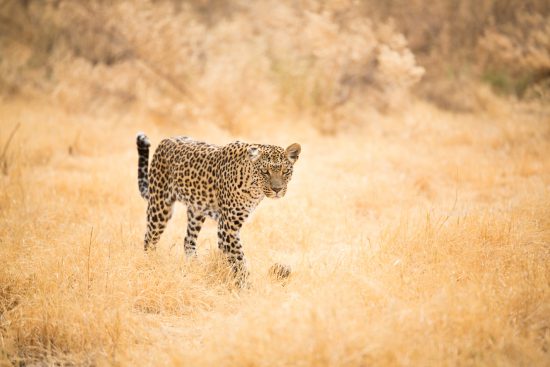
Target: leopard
{"x":221,"y":182}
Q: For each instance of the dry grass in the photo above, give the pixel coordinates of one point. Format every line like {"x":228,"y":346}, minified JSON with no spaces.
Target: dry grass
{"x":419,"y":239}
{"x":415,"y":236}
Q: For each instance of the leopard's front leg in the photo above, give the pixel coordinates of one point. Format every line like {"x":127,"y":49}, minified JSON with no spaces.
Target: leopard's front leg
{"x":194,"y":223}
{"x":229,"y":226}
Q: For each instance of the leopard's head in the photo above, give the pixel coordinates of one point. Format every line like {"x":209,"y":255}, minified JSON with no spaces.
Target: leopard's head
{"x":273,"y":167}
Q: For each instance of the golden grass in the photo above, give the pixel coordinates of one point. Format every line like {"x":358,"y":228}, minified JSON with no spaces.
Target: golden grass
{"x":415,"y":239}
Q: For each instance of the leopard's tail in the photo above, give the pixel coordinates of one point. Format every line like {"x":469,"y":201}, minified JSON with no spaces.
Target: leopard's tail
{"x":143,"y":164}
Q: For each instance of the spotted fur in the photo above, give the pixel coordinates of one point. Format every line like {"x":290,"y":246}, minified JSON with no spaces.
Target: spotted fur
{"x":143,"y":163}
{"x":225,"y":183}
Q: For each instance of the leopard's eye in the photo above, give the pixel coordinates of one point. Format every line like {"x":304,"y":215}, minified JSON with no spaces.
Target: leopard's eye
{"x":286,"y":171}
{"x":265,"y":172}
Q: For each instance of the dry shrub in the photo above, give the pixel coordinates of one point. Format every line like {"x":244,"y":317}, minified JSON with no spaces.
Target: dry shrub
{"x":334,"y":63}
{"x":230,"y":62}
{"x":315,"y":60}
{"x":516,"y":59}
{"x":461,"y":43}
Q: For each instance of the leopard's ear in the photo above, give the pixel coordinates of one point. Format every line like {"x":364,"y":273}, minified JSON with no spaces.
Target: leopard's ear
{"x":293,"y":152}
{"x":254,"y":153}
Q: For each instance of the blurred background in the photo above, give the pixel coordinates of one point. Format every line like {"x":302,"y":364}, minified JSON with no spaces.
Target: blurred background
{"x":228,"y":61}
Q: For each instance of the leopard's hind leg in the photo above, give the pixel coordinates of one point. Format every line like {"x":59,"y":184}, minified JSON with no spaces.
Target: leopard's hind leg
{"x":159,"y":212}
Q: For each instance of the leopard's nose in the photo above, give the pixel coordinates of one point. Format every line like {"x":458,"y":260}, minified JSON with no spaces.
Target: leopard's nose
{"x":276,"y":189}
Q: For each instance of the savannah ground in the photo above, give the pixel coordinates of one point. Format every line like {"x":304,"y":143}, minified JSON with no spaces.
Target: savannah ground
{"x":416,"y":235}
